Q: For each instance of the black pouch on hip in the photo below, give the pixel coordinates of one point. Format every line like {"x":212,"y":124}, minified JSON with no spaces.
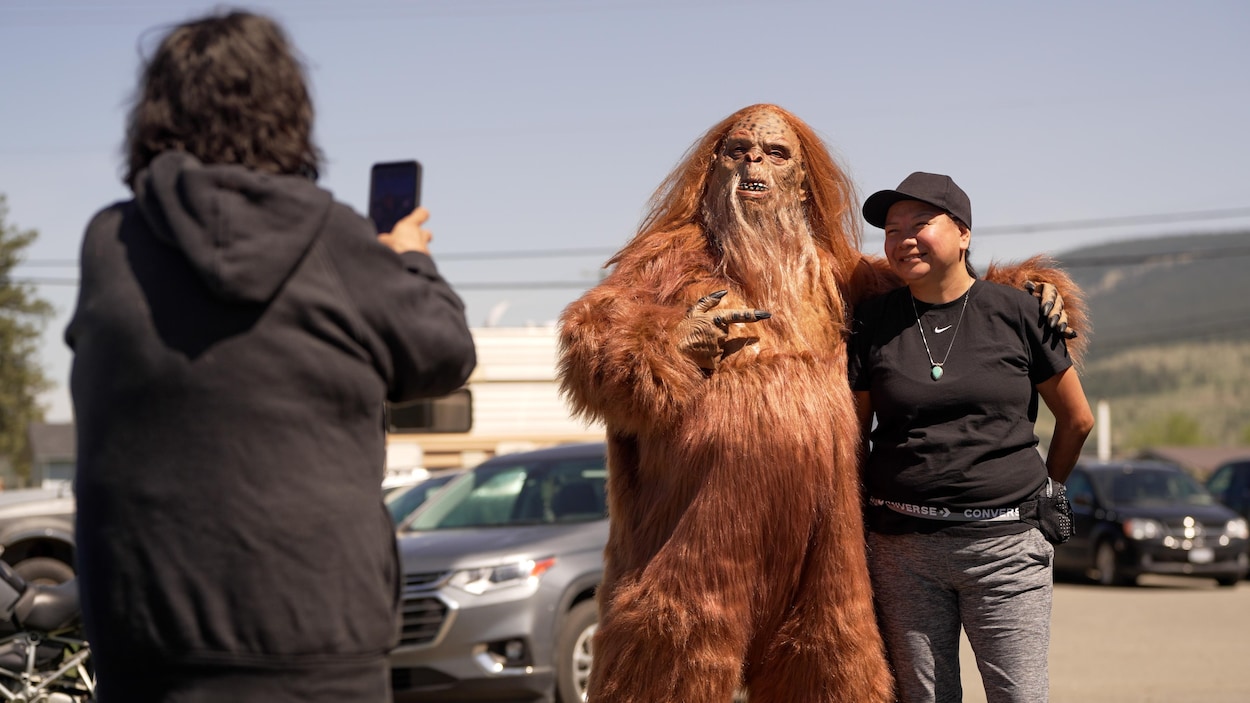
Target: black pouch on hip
{"x":1050,"y":512}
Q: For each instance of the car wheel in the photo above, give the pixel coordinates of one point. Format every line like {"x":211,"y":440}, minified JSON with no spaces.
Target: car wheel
{"x":573,"y":652}
{"x":44,"y":570}
{"x":1228,"y":581}
{"x":1109,"y":573}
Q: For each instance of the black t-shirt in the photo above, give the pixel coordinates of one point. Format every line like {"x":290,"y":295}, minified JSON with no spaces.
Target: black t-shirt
{"x":966,"y":441}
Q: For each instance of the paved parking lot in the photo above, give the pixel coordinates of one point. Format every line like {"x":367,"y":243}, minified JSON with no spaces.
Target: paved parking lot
{"x":1169,"y":640}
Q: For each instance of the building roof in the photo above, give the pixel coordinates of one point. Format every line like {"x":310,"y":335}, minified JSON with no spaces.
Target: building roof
{"x":52,"y":441}
{"x":1199,"y":460}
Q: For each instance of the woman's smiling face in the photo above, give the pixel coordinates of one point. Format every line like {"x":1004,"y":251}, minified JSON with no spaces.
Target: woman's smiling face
{"x":921,"y":239}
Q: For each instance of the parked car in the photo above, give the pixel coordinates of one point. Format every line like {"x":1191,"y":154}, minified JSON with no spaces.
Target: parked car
{"x":1230,"y":484}
{"x":402,"y":502}
{"x":1145,"y":517}
{"x":500,"y":570}
{"x":37,"y":532}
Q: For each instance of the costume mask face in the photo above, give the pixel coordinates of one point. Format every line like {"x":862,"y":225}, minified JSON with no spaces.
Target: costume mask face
{"x":762,"y":153}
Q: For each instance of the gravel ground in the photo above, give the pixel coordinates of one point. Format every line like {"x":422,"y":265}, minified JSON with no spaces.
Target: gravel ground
{"x":1168,"y":640}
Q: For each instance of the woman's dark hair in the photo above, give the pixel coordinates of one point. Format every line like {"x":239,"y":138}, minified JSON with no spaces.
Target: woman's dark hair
{"x":227,"y":89}
{"x":967,"y":252}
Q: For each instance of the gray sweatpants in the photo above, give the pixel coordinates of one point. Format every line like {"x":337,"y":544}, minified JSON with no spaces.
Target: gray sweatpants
{"x":998,"y":588}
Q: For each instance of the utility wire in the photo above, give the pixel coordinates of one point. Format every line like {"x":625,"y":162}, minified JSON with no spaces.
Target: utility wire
{"x":1103,"y":222}
{"x":1157,"y":257}
{"x":44,"y":15}
{"x":1109,"y":340}
{"x":1182,"y":256}
{"x":574,"y":252}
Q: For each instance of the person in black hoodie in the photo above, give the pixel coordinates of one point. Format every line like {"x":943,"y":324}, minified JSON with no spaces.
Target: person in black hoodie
{"x":236,"y":334}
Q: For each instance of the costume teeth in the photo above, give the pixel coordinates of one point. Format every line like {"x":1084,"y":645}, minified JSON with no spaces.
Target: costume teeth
{"x":752,"y":185}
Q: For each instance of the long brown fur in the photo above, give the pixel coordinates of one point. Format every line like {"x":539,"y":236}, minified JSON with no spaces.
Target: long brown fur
{"x":736,"y":553}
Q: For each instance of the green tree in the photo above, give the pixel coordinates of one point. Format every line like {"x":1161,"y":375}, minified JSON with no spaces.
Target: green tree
{"x":1174,"y":430}
{"x":23,"y":316}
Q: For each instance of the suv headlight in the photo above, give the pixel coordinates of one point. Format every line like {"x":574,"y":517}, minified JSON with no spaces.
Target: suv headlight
{"x":1142,"y":528}
{"x":1237,"y":529}
{"x":489,"y":578}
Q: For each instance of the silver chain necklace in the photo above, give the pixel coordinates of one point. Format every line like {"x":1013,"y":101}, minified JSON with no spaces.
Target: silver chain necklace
{"x":935,"y":368}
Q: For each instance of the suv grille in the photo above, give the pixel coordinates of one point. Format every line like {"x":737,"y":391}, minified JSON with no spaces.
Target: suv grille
{"x":422,"y":619}
{"x":422,"y":614}
{"x":428,"y":579}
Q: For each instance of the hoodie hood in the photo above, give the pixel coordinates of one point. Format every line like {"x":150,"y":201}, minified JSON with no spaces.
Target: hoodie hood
{"x":243,"y":231}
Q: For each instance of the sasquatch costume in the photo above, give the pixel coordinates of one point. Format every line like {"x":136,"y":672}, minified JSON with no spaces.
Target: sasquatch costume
{"x":736,"y":553}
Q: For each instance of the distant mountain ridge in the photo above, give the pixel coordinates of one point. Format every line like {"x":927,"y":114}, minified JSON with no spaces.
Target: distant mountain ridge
{"x":1170,"y":344}
{"x":1148,"y":291}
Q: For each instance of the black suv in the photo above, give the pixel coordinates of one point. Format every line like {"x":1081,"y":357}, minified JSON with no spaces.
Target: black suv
{"x":1230,"y":484}
{"x":500,"y":570}
{"x":1145,"y":517}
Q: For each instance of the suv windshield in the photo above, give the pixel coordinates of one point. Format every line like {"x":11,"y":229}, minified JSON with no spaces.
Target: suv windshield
{"x":1152,"y":486}
{"x":502,"y":494}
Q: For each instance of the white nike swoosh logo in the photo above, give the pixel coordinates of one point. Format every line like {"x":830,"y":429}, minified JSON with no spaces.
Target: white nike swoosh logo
{"x":940,"y":330}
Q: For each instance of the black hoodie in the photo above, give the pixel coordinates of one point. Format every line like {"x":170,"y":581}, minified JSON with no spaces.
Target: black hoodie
{"x":235,"y":336}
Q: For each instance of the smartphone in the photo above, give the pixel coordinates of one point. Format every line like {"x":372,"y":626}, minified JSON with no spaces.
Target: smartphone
{"x":394,"y":192}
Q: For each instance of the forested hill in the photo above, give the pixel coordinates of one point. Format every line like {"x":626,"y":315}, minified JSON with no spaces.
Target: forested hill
{"x":1170,"y":345}
{"x":1147,"y":291}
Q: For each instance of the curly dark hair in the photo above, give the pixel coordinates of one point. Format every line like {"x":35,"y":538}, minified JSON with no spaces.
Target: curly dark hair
{"x":228,"y":89}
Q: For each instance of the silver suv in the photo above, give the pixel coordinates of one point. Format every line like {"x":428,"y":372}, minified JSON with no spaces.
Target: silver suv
{"x":500,"y":570}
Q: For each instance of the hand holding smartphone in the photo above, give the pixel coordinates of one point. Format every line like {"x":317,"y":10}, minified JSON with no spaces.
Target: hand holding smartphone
{"x":394,"y":192}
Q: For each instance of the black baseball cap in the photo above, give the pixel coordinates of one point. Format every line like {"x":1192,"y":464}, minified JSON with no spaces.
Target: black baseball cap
{"x":934,"y":189}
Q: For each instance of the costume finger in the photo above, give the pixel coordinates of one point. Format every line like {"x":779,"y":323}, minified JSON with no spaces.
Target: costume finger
{"x":1046,"y":294}
{"x":1052,"y":303}
{"x":742,"y":316}
{"x":709,"y":301}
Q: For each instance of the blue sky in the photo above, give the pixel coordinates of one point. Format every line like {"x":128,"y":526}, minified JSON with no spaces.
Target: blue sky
{"x":544,"y":125}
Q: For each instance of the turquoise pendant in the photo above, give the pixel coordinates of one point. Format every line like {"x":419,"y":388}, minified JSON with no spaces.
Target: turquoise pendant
{"x":936,"y":372}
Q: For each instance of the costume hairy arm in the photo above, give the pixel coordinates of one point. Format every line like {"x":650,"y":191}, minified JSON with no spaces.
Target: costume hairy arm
{"x":863,"y":410}
{"x":1065,"y":398}
{"x":636,"y":350}
{"x":1068,"y":315}
{"x":621,"y":359}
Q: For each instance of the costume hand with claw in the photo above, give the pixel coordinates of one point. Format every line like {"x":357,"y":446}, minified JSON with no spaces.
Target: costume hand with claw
{"x":1052,"y":306}
{"x":703,"y":330}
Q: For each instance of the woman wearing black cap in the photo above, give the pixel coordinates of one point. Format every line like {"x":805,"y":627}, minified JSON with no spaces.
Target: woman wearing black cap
{"x":952,"y":367}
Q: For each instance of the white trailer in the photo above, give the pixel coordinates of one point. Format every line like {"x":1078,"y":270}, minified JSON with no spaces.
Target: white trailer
{"x":511,"y":401}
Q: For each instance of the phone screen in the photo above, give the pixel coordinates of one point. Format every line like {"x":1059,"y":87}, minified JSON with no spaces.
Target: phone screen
{"x":394,"y":191}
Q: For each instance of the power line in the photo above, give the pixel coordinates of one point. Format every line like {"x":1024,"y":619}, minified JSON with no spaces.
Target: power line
{"x":1158,"y":257}
{"x":456,"y":256}
{"x":1119,"y":221}
{"x":1180,"y":256}
{"x":38,"y":15}
{"x":1111,"y":340}
{"x":574,"y":252}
